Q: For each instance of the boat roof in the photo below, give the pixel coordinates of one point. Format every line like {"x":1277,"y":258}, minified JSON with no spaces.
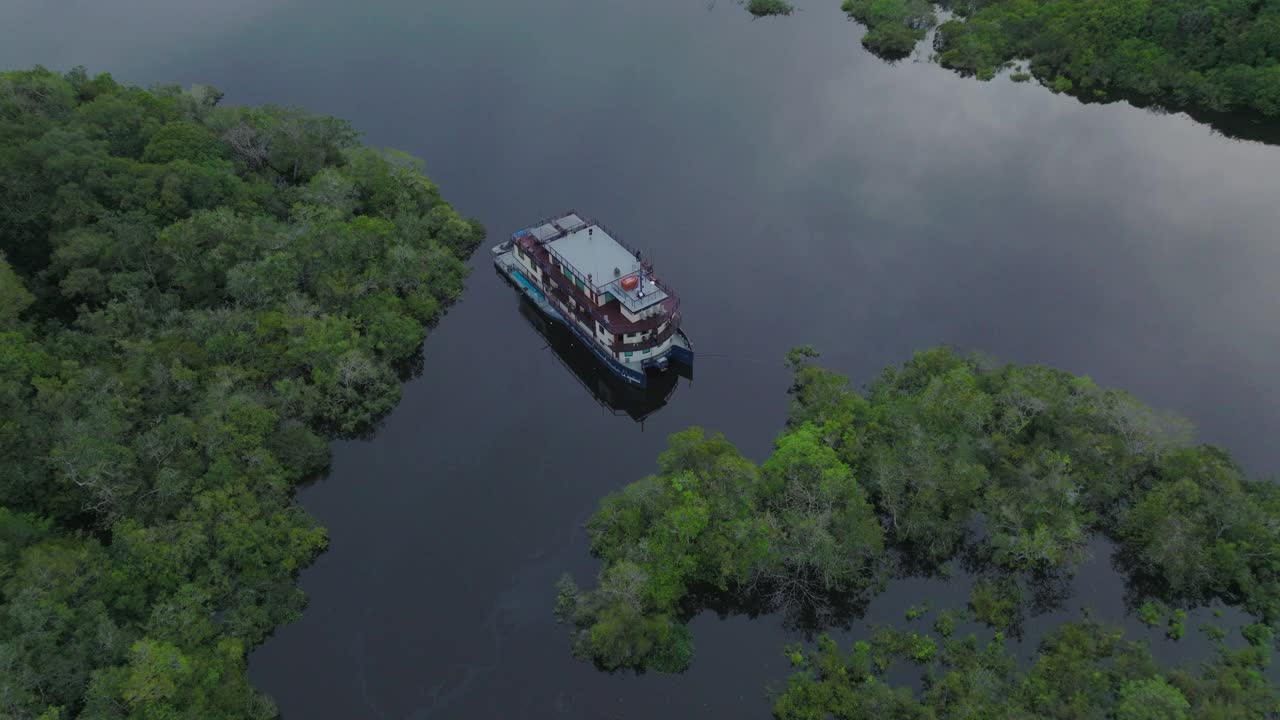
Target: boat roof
{"x":548,"y":230}
{"x":590,"y":250}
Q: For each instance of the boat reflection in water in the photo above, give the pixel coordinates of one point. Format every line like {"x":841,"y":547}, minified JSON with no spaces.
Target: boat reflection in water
{"x":615,"y":394}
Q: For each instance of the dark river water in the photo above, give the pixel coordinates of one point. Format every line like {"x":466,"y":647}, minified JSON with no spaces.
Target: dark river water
{"x":794,"y":189}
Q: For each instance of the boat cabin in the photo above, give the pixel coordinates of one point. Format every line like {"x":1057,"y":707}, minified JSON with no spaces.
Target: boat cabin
{"x":602,"y":285}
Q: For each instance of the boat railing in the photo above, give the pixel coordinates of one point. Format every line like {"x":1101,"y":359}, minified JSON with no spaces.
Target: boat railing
{"x":638,"y":346}
{"x":569,"y":290}
{"x":644,"y":263}
{"x":649,"y":342}
{"x":551,"y":221}
{"x":561,"y":259}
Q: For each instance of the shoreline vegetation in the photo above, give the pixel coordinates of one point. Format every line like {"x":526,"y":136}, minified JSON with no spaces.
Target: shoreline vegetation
{"x":1080,"y":670}
{"x":1210,"y":59}
{"x":194,"y":298}
{"x":948,"y":464}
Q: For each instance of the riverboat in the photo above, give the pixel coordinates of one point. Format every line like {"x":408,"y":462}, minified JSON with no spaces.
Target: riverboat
{"x":579,"y":274}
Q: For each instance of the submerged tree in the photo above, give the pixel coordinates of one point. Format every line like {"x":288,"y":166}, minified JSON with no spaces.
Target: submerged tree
{"x":894,"y":27}
{"x":1005,"y":471}
{"x":768,"y":8}
{"x":1079,"y":670}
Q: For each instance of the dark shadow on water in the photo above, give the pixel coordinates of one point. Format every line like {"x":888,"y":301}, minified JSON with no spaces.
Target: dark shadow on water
{"x":312,"y":479}
{"x":809,"y":617}
{"x":406,"y":370}
{"x":1142,"y":584}
{"x":891,"y":56}
{"x":1237,"y":125}
{"x":614,"y":394}
{"x":1050,"y":589}
{"x":411,"y":367}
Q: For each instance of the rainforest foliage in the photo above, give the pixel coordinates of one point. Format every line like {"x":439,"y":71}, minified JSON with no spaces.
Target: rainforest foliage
{"x":193,"y":298}
{"x":1082,"y":670}
{"x":769,"y":8}
{"x":1217,"y":55}
{"x":947,"y":464}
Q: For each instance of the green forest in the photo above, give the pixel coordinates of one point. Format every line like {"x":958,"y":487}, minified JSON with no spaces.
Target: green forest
{"x":1080,"y":670}
{"x":1216,"y":56}
{"x":194,"y":298}
{"x":950,"y":464}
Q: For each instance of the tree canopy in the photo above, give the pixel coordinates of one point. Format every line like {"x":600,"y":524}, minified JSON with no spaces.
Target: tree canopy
{"x":947,"y":463}
{"x":1081,"y":670}
{"x":768,"y":8}
{"x":193,"y":298}
{"x":1215,"y":56}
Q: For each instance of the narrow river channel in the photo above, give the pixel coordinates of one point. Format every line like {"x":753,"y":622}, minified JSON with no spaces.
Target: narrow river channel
{"x":794,"y":189}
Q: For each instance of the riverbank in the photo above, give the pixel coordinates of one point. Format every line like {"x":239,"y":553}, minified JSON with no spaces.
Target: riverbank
{"x":197,"y":298}
{"x":1221,"y":64}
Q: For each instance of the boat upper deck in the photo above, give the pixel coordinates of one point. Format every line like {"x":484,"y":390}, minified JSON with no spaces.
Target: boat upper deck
{"x":599,"y":259}
{"x":609,"y":314}
{"x":603,"y":262}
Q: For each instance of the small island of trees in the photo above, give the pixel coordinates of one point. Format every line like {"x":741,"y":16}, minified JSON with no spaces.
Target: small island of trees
{"x":947,"y":463}
{"x":193,"y":298}
{"x":769,"y":8}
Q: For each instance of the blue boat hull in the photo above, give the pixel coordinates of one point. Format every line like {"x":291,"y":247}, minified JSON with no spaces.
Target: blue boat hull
{"x":683,"y":355}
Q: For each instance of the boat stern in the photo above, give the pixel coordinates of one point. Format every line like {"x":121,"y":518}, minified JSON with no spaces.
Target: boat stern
{"x":681,"y":349}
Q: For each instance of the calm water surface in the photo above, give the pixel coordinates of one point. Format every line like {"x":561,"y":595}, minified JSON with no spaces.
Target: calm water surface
{"x":793,"y":189}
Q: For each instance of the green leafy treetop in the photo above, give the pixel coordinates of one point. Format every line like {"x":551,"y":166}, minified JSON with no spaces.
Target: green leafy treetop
{"x":766,"y":8}
{"x":193,"y":298}
{"x":1012,"y":468}
{"x":1081,"y":670}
